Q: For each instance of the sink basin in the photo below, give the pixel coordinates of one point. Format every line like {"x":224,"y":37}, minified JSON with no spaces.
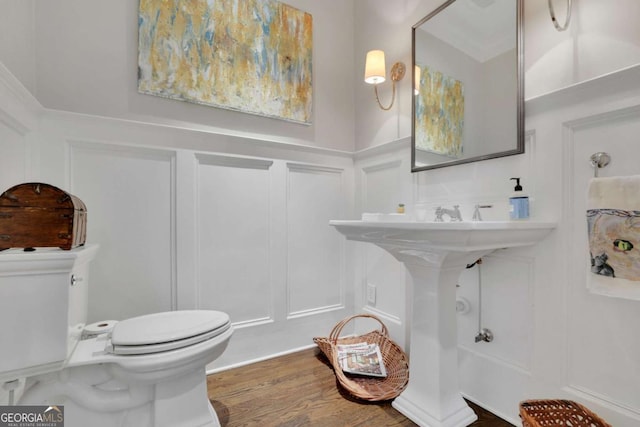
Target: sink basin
{"x":434,"y":254}
{"x":463,"y":236}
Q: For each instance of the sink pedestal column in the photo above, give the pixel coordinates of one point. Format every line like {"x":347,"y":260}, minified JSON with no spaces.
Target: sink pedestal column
{"x":433,"y":397}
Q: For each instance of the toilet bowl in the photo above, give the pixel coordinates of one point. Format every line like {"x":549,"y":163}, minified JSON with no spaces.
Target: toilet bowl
{"x":148,"y":371}
{"x":143,"y":371}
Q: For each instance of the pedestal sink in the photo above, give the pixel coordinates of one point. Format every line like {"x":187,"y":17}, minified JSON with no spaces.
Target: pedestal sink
{"x":435,"y":253}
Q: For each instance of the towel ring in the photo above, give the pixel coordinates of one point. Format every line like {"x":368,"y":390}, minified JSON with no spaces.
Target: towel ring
{"x":598,"y":161}
{"x":553,"y":16}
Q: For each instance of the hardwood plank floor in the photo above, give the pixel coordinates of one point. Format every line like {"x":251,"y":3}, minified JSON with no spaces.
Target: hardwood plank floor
{"x":300,"y":389}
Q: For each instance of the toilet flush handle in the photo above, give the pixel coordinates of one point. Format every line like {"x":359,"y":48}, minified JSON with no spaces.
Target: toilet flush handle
{"x":75,"y":280}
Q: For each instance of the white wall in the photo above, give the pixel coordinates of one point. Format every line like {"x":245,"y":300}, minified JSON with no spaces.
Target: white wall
{"x":381,"y":25}
{"x":157,"y":183}
{"x":90,"y":66}
{"x":194,"y":207}
{"x":553,"y":338}
{"x":18,"y":108}
{"x":18,"y":122}
{"x":17,"y":44}
{"x":186,"y":220}
{"x":574,"y":123}
{"x":602,"y":37}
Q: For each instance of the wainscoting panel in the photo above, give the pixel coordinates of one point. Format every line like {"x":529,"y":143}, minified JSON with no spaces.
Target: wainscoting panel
{"x":499,"y":293}
{"x":216,"y":229}
{"x":499,"y":297}
{"x":129,"y":193}
{"x":380,"y":184}
{"x":233,"y":237}
{"x":315,"y":251}
{"x":18,"y":119}
{"x":384,"y":184}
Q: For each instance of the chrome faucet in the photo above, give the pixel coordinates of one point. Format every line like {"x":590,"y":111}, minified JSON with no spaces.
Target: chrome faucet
{"x":454,"y":214}
{"x":476,"y":212}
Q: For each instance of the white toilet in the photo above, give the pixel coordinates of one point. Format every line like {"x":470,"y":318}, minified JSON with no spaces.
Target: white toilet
{"x":144,"y":371}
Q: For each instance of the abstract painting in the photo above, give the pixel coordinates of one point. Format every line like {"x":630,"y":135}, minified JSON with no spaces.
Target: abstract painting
{"x":252,"y":56}
{"x":439,"y":108}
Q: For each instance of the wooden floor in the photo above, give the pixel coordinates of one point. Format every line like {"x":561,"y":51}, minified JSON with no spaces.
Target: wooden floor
{"x":300,"y":390}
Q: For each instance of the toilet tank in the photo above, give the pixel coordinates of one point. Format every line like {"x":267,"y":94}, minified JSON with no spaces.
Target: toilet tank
{"x":43,"y":308}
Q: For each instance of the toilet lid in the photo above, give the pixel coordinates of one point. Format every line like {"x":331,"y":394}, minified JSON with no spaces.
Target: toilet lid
{"x":171,"y":330}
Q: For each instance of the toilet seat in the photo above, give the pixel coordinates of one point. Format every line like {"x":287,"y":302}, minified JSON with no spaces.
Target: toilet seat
{"x":159,"y":332}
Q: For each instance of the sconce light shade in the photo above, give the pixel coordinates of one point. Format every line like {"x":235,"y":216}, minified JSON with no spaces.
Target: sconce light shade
{"x":374,"y":71}
{"x":416,"y":80}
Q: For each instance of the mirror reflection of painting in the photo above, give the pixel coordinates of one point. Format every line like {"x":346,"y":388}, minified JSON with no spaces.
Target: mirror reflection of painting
{"x":439,"y":113}
{"x":468,"y":103}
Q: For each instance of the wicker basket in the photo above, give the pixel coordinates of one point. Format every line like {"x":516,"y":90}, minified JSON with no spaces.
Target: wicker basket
{"x":543,"y":413}
{"x":362,"y":387}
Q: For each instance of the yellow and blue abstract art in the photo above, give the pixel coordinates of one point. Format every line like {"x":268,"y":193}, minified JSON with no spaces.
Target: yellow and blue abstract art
{"x":439,"y":108}
{"x":252,"y":56}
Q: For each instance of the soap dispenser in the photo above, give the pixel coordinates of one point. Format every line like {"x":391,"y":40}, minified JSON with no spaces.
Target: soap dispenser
{"x":518,"y":202}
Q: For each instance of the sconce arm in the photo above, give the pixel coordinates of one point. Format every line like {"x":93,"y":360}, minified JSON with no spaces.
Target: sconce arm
{"x":397,"y":73}
{"x":393,"y":97}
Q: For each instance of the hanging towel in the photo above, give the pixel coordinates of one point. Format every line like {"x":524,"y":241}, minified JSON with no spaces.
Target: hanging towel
{"x":613,"y":224}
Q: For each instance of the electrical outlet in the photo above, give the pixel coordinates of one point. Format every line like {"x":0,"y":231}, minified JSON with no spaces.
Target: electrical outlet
{"x":371,"y":293}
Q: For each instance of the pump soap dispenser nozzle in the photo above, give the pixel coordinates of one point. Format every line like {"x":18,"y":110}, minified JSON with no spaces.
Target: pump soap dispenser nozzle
{"x":518,"y":187}
{"x":518,"y":202}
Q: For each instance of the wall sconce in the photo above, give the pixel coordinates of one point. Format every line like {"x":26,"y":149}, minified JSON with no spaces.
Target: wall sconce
{"x":374,"y":73}
{"x":416,"y":80}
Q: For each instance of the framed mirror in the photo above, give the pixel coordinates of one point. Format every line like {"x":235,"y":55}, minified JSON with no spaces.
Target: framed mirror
{"x":468,"y":74}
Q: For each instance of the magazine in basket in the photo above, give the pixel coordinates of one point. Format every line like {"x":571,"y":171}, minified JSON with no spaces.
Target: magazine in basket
{"x":361,"y":359}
